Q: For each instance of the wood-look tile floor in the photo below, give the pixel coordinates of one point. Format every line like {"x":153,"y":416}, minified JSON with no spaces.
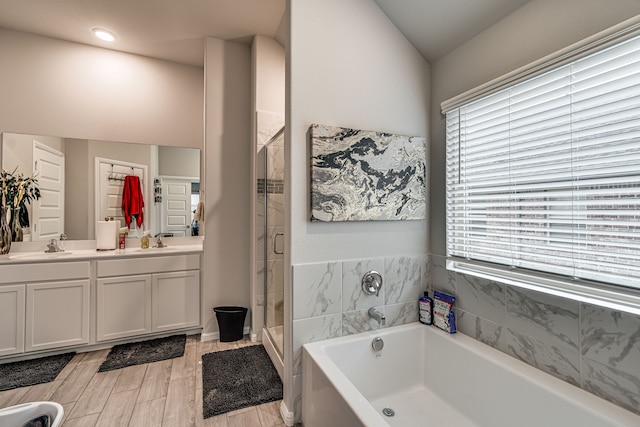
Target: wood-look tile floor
{"x":166,"y":393}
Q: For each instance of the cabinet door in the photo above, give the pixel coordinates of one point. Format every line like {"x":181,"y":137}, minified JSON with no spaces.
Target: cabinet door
{"x":57,"y":314}
{"x":123,"y":307}
{"x":176,"y":300}
{"x":12,"y":319}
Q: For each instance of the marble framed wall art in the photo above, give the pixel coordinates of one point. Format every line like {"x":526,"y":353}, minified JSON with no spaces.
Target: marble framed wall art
{"x":359,"y":175}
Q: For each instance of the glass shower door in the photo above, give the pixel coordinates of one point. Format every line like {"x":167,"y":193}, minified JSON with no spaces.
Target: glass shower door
{"x":274,"y":241}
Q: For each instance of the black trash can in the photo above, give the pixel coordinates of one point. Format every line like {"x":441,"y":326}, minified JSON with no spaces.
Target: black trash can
{"x":230,"y":322}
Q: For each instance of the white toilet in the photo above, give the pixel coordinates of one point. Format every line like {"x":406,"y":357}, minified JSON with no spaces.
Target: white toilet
{"x":34,"y":414}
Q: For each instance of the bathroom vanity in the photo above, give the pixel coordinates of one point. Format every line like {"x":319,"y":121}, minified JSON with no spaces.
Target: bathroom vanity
{"x":86,"y":299}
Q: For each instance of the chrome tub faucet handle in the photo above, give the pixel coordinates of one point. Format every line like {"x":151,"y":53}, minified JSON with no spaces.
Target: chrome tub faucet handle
{"x":372,"y":283}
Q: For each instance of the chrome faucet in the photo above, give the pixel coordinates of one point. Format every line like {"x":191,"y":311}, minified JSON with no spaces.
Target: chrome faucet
{"x":53,"y":247}
{"x":378,"y":316}
{"x":159,"y":242}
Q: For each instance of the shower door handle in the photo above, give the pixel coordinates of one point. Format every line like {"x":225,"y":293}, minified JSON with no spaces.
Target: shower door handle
{"x":275,"y":244}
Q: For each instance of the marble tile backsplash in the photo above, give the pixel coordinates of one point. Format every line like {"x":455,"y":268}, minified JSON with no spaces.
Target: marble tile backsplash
{"x":328,"y":300}
{"x":595,"y":348}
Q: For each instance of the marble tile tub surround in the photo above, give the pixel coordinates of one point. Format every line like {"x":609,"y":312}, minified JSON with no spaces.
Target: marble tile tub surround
{"x":595,"y":348}
{"x":328,"y":300}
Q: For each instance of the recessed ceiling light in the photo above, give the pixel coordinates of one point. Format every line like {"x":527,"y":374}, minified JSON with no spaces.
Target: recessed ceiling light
{"x":105,"y":35}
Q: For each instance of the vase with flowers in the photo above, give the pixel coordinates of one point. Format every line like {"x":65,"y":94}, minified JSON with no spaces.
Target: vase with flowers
{"x":17,"y":192}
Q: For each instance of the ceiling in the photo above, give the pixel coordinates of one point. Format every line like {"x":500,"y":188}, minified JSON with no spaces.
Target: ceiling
{"x":165,"y":29}
{"x":174,"y":30}
{"x":436,"y":27}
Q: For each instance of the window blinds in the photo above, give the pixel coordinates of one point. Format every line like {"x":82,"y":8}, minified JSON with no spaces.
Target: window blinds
{"x":545,"y":174}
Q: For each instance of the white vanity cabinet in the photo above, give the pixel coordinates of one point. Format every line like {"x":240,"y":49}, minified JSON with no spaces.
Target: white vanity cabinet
{"x":123,"y":307}
{"x":57,"y":314}
{"x":176,"y":300}
{"x":44,"y":306}
{"x":12,"y":307}
{"x":136,"y":296}
{"x":62,"y":304}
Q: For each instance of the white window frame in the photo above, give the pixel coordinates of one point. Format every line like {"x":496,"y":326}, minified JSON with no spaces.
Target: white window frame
{"x":601,"y":294}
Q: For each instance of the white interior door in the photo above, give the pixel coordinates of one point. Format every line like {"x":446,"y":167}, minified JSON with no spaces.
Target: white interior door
{"x":110,"y":182}
{"x":47,"y":220}
{"x":176,"y":207}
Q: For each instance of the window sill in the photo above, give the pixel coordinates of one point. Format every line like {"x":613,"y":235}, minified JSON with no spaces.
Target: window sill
{"x":613,"y":297}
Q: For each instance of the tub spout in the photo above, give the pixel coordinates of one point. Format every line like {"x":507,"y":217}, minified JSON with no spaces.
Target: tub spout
{"x":378,"y":316}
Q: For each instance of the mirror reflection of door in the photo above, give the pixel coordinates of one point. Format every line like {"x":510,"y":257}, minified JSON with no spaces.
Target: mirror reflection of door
{"x":176,"y":207}
{"x":47,"y":220}
{"x":80,"y":200}
{"x":110,"y":175}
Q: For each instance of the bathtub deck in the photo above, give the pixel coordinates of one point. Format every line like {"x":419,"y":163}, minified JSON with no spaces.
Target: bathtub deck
{"x":420,"y":406}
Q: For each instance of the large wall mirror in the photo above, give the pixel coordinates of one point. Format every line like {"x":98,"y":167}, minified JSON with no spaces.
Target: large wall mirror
{"x":81,"y":181}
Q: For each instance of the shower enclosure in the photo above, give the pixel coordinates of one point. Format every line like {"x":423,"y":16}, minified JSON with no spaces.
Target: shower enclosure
{"x":274,"y":240}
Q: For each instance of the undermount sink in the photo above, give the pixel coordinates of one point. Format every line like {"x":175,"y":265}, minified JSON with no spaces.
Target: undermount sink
{"x":150,"y":249}
{"x":39,"y":255}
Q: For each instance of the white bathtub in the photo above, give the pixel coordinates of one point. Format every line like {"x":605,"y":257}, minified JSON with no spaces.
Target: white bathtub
{"x":430,"y":378}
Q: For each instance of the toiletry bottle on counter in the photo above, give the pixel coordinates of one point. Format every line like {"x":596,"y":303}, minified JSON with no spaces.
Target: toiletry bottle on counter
{"x":144,"y":241}
{"x":117,"y":233}
{"x":425,"y":307}
{"x":122,"y":238}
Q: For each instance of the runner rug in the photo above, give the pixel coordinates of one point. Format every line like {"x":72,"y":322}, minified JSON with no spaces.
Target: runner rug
{"x":235,"y":379}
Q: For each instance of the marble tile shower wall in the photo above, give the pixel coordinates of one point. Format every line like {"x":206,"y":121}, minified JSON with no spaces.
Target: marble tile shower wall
{"x":591,"y":347}
{"x":328,"y":300}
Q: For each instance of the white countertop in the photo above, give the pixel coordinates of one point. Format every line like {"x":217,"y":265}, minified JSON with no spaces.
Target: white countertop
{"x":29,"y":252}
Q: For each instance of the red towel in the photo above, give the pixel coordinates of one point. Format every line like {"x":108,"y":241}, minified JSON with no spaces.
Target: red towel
{"x":132,"y":201}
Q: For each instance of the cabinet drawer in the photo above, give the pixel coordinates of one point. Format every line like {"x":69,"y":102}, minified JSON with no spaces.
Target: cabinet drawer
{"x":147,"y":265}
{"x":22,"y":273}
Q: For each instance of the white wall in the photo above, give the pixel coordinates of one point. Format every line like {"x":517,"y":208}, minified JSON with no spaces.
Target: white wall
{"x":53,"y":87}
{"x":347,"y":65}
{"x":539,"y":28}
{"x":227,"y":173}
{"x":174,"y":161}
{"x":268,"y":63}
{"x":81,"y":190}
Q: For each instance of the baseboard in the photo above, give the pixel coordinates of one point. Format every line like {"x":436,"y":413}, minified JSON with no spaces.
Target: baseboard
{"x":256,"y":335}
{"x":286,"y":414}
{"x":277,"y":361}
{"x":211,"y":336}
{"x":83,"y":348}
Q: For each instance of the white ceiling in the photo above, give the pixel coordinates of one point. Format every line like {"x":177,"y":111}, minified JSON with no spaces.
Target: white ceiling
{"x":174,"y":30}
{"x":436,"y":27}
{"x":165,"y":29}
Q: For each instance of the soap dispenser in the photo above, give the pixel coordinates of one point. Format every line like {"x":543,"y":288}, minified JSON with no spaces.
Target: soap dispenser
{"x":144,"y":241}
